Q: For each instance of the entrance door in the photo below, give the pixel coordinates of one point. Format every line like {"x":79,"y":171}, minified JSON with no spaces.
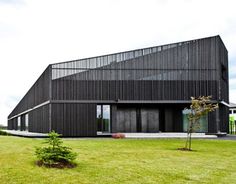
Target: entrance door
{"x":136,"y":120}
{"x":103,"y":118}
{"x":149,"y":120}
{"x":126,"y":120}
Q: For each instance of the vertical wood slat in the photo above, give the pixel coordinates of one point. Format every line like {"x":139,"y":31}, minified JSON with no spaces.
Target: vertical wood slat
{"x":74,"y":119}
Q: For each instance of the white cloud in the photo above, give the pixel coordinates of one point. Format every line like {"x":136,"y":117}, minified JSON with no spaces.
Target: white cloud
{"x":38,"y":33}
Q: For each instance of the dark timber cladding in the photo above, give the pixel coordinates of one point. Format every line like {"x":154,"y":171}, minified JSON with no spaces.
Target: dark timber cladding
{"x":143,"y":90}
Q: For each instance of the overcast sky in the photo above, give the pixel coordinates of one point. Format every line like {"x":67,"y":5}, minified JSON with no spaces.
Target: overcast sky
{"x":35,"y":33}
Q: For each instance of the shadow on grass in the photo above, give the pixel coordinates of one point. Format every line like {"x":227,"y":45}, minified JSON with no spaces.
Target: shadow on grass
{"x":59,"y":165}
{"x":182,"y":149}
{"x":185,"y":149}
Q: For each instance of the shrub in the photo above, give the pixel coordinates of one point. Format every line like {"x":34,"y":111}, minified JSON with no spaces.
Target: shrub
{"x":3,"y":132}
{"x":55,"y":155}
{"x":118,"y":136}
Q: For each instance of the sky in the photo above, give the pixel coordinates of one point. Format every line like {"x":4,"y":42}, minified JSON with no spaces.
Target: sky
{"x":35,"y":33}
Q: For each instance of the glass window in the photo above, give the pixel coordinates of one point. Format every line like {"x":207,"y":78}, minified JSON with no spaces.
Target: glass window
{"x":99,"y":118}
{"x":118,"y":57}
{"x":103,"y":118}
{"x":18,"y":123}
{"x":26,"y":122}
{"x":234,"y":111}
{"x":99,"y":111}
{"x":164,"y":47}
{"x":138,"y":53}
{"x":106,"y":118}
{"x":202,"y":126}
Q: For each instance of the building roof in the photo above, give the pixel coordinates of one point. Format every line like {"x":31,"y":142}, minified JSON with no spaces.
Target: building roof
{"x":232,"y":105}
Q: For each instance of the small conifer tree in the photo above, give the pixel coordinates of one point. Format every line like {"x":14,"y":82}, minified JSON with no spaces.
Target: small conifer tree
{"x":55,"y":155}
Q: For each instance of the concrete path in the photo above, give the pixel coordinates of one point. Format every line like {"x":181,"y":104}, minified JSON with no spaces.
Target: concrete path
{"x":25,"y":133}
{"x":133,"y":135}
{"x":168,"y":135}
{"x":228,"y":137}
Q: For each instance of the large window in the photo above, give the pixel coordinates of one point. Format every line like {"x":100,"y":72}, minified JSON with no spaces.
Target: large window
{"x":201,"y":127}
{"x":26,"y":122}
{"x":18,"y":123}
{"x":103,"y":118}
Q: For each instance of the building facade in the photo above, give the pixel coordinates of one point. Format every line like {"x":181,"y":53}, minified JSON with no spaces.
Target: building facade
{"x":232,"y":118}
{"x":144,"y":90}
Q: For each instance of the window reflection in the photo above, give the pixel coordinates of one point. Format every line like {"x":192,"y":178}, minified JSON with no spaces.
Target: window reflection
{"x":18,"y":123}
{"x":103,"y":118}
{"x":26,"y":122}
{"x":202,"y":126}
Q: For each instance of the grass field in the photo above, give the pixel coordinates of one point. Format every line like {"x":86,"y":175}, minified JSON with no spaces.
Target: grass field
{"x":122,"y":161}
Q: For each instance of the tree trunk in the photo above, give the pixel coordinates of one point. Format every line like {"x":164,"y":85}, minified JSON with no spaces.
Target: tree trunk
{"x":190,"y":141}
{"x":187,"y":141}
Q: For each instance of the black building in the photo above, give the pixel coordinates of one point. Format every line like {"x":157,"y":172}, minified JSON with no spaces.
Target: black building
{"x":144,"y":90}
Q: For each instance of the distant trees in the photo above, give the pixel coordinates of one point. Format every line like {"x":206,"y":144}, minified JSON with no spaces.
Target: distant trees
{"x":3,"y":126}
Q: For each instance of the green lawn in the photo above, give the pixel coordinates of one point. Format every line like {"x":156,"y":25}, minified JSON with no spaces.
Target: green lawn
{"x":122,"y":161}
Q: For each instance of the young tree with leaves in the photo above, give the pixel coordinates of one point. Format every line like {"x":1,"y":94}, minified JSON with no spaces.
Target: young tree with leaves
{"x":199,"y":107}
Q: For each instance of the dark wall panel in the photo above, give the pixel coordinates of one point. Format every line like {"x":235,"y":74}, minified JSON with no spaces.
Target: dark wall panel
{"x":133,"y":90}
{"x":224,"y":119}
{"x":223,"y":72}
{"x":150,"y":120}
{"x":14,"y":124}
{"x":39,"y":120}
{"x":22,"y":119}
{"x":178,"y":119}
{"x":74,"y":119}
{"x":10,"y":125}
{"x":212,"y":128}
{"x":128,"y":118}
{"x":125,"y":120}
